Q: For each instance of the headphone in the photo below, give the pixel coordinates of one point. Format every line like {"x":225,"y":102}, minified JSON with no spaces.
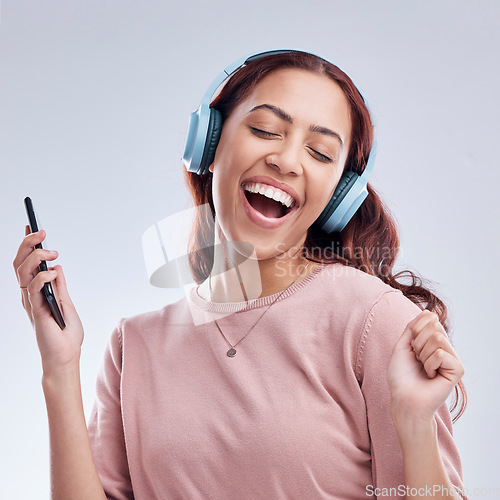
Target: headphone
{"x":202,"y":138}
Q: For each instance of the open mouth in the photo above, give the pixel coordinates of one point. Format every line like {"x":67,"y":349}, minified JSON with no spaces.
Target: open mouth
{"x":272,"y":203}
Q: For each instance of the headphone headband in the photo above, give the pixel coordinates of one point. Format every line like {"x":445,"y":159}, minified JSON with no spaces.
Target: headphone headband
{"x":236,"y":65}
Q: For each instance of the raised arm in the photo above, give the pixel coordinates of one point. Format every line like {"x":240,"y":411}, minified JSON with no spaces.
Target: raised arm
{"x":73,"y":471}
{"x":423,"y":371}
{"x":402,"y":446}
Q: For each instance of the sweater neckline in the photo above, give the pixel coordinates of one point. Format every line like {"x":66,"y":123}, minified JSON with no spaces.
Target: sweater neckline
{"x":230,"y":307}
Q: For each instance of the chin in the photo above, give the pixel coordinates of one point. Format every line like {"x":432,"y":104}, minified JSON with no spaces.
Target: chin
{"x":274,"y":249}
{"x":252,"y":241}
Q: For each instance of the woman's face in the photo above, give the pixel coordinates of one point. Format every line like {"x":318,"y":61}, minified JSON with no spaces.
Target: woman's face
{"x":290,"y":136}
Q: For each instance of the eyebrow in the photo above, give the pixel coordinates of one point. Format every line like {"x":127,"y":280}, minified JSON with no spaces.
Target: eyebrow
{"x":287,"y":118}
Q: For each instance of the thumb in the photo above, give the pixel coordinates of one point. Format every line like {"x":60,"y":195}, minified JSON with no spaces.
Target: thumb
{"x":65,"y":303}
{"x":404,"y":341}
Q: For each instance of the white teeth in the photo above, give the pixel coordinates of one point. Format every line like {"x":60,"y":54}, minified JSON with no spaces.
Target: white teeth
{"x":269,"y":192}
{"x":286,"y":199}
{"x":277,"y":197}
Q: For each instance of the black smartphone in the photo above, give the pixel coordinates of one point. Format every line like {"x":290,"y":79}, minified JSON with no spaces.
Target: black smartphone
{"x":47,"y":290}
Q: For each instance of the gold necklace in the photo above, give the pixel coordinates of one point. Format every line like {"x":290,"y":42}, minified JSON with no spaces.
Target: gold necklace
{"x":232,"y":351}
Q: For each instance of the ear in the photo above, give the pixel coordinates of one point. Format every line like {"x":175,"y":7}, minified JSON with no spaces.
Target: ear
{"x":211,"y":168}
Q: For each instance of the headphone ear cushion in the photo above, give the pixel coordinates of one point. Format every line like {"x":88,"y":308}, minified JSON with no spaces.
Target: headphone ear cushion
{"x":212,"y":140}
{"x":345,"y":183}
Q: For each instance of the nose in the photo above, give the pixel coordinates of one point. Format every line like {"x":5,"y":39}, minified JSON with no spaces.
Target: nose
{"x":286,"y":160}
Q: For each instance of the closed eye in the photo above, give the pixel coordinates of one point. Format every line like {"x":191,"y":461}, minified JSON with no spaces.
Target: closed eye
{"x":316,"y":154}
{"x":262,"y":133}
{"x":319,"y":156}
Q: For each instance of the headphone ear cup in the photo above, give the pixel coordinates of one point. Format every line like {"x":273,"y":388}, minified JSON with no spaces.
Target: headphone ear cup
{"x":344,"y":185}
{"x":212,"y":140}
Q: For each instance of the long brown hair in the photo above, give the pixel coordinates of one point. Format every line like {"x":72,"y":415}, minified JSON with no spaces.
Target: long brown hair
{"x":370,"y":240}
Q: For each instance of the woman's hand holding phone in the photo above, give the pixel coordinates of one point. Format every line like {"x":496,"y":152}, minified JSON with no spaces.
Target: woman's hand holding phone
{"x":59,"y":349}
{"x":72,"y":466}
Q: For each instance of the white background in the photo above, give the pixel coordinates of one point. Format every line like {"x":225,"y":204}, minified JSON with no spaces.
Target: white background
{"x":94,"y":102}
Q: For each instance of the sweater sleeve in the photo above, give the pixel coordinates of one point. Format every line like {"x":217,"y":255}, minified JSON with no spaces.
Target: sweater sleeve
{"x":105,"y":425}
{"x":384,"y":325}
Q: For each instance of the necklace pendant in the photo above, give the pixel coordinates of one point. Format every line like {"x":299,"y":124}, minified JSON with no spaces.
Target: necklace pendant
{"x":231,"y":353}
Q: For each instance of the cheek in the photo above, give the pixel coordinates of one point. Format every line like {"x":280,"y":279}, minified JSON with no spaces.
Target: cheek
{"x":225,"y":186}
{"x":321,"y":195}
{"x":233,"y":143}
{"x":230,"y":165}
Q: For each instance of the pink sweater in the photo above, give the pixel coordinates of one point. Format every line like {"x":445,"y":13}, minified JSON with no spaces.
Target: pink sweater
{"x":301,"y":412}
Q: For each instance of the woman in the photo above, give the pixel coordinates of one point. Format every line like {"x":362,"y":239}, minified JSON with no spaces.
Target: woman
{"x":299,"y":367}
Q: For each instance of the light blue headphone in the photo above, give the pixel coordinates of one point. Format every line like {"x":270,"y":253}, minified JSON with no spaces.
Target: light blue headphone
{"x":204,"y":129}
